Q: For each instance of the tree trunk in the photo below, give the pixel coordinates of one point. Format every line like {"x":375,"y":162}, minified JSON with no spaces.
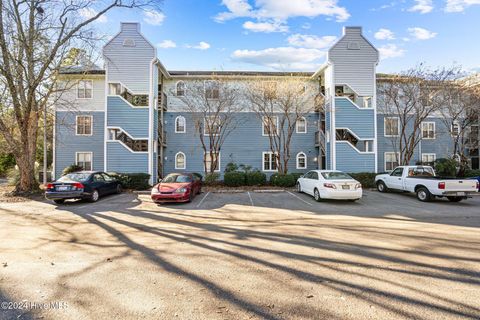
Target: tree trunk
{"x":25,"y":157}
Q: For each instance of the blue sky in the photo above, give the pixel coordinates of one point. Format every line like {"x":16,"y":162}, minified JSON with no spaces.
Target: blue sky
{"x":289,"y":35}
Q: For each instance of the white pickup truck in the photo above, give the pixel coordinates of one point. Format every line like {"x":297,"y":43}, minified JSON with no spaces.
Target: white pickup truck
{"x":423,"y":181}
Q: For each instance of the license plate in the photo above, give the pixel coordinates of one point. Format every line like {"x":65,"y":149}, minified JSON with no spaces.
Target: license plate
{"x":346,"y":187}
{"x":63,"y":188}
{"x":460,"y":193}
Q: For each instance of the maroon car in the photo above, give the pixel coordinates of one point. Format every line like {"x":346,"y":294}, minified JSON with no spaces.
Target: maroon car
{"x":177,"y":187}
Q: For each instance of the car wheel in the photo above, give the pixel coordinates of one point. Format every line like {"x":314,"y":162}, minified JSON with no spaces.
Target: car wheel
{"x":95,"y":196}
{"x":454,"y":199}
{"x":424,"y":195}
{"x":59,"y":201}
{"x":119,"y":189}
{"x":299,"y":187}
{"x":190,"y":196}
{"x":316,"y":195}
{"x":381,"y":186}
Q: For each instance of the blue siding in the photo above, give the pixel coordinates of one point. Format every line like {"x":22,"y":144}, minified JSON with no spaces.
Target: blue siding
{"x":243,"y":146}
{"x":360,"y":121}
{"x":67,"y":143}
{"x":349,"y":160}
{"x":121,"y":159}
{"x":132,"y":120}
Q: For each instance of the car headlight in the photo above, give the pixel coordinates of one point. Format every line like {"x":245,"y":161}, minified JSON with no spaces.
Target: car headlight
{"x":358,"y":186}
{"x":181,"y":190}
{"x":155,"y":190}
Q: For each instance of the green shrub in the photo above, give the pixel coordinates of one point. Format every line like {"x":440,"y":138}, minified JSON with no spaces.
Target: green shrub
{"x":72,"y":168}
{"x":231,"y":167}
{"x":246,"y":168}
{"x":446,"y":167}
{"x":255,"y":178}
{"x":283,"y":180}
{"x":367,"y":179}
{"x":7,"y":161}
{"x":472,"y":173}
{"x":135,"y":181}
{"x":234,"y":179}
{"x":297,"y":175}
{"x":212,"y":178}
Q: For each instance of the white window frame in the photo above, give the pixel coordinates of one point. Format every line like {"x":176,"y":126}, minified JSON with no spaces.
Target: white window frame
{"x":84,"y":89}
{"x":91,"y":125}
{"x":205,"y":89}
{"x":298,"y":157}
{"x":205,"y":126}
{"x":270,"y":153}
{"x":455,"y":123}
{"x":385,"y":127}
{"x":177,"y":167}
{"x":264,"y":123}
{"x":427,"y":123}
{"x":219,"y":161}
{"x":296,"y":125}
{"x":184,"y":88}
{"x":385,"y":159}
{"x":429,"y":154}
{"x":184,"y":124}
{"x":91,"y":159}
{"x":371,"y":143}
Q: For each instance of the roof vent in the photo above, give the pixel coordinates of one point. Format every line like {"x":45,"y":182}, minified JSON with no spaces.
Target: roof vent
{"x":353,"y":45}
{"x":129,"y":42}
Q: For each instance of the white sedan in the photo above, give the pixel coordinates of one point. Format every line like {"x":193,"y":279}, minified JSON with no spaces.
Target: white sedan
{"x":330,"y":184}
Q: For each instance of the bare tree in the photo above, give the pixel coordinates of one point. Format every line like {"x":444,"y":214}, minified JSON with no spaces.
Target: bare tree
{"x":212,"y":104}
{"x":35,"y":37}
{"x":412,"y":96}
{"x":279,"y":105}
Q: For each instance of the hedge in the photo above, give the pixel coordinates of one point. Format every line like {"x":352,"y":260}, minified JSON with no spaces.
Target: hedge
{"x":212,"y":178}
{"x":234,"y":179}
{"x":255,"y":178}
{"x":297,"y":175}
{"x":135,"y":181}
{"x":283,"y":180}
{"x":367,"y":179}
{"x":472,"y":173}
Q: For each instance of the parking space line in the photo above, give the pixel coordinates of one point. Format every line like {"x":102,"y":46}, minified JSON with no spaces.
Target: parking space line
{"x":249,"y":196}
{"x":300,"y":198}
{"x":201,"y":201}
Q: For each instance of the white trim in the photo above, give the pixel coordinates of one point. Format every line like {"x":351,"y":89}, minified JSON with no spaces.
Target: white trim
{"x":354,"y":104}
{"x":385,"y":159}
{"x":296,"y":125}
{"x":184,"y":124}
{"x":263,"y":126}
{"x":124,"y":86}
{"x":91,"y":158}
{"x":375,"y":119}
{"x":54,"y":141}
{"x":129,"y":104}
{"x":456,"y":122}
{"x":151,"y":110}
{"x":297,"y":157}
{"x":353,"y":133}
{"x":428,"y":154}
{"x":434,"y":130}
{"x":125,"y":146}
{"x":355,"y":148}
{"x":105,"y":132}
{"x":124,"y":131}
{"x":385,"y":127}
{"x":78,"y":86}
{"x":219,"y":161}
{"x":184,"y":161}
{"x":270,"y":161}
{"x":176,"y":88}
{"x":91,"y":125}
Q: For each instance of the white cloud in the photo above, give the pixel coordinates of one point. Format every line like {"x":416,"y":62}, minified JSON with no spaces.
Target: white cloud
{"x":267,"y":27}
{"x":306,"y":26}
{"x":421,"y":34}
{"x":390,"y":51}
{"x":202,"y":45}
{"x":311,"y":41}
{"x":281,"y":58}
{"x":422,"y":6}
{"x":384,"y":34}
{"x":459,"y":5}
{"x":282,"y":9}
{"x":165,"y":44}
{"x":88,"y":13}
{"x":153,"y":17}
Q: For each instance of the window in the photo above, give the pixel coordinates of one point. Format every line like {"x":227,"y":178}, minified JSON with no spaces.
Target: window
{"x":391,"y":160}
{"x":420,"y":172}
{"x":84,"y":89}
{"x":428,"y":130}
{"x":84,"y":160}
{"x":180,"y":124}
{"x":180,"y":161}
{"x":301,"y":125}
{"x":212,"y":90}
{"x":270,"y":89}
{"x":368,"y":145}
{"x":455,"y":129}
{"x":391,"y":126}
{"x":210,"y":161}
{"x":212,"y":126}
{"x":84,"y":125}
{"x":270,"y":126}
{"x":428,"y":158}
{"x":269,"y":161}
{"x":397,"y":172}
{"x":114,"y":89}
{"x":301,"y":161}
{"x":180,"y":90}
{"x":98,"y":178}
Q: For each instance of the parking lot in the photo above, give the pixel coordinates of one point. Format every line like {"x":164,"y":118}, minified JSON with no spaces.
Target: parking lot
{"x":243,"y":255}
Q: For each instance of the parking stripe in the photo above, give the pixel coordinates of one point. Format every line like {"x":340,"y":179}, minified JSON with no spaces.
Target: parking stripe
{"x":251,"y":201}
{"x":300,"y":198}
{"x":201,"y":201}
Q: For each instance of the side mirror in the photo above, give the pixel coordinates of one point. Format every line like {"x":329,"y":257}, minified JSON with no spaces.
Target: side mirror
{"x":302,"y":176}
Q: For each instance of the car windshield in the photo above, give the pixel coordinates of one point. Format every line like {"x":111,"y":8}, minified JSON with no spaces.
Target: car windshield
{"x":79,"y":177}
{"x":181,"y":178}
{"x":335,"y":175}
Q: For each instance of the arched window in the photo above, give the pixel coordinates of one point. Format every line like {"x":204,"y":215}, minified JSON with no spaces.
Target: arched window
{"x":180,"y":124}
{"x":301,"y":160}
{"x":301,"y":125}
{"x":180,"y":161}
{"x":180,"y":89}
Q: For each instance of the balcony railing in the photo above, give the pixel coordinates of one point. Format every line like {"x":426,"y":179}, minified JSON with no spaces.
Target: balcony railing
{"x":133,"y":144}
{"x":361,"y":101}
{"x":163,"y":100}
{"x":320,"y":140}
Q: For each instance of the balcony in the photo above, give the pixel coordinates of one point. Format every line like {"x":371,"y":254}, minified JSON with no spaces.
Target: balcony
{"x":136,"y":100}
{"x":163,"y":100}
{"x":364,"y":102}
{"x":320,"y":140}
{"x":136,"y":145}
{"x":162,"y":138}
